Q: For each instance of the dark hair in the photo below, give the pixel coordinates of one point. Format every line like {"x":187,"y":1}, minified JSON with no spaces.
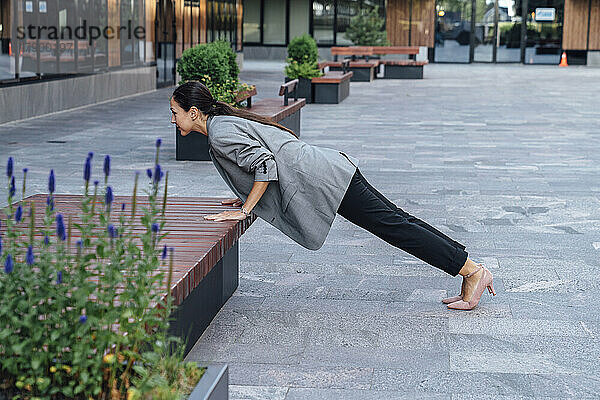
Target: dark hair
{"x":196,"y":94}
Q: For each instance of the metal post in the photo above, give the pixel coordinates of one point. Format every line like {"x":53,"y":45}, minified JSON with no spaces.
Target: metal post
{"x":524,"y":9}
{"x":472,"y":35}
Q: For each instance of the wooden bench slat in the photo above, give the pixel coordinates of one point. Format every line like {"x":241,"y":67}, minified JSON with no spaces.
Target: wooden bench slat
{"x":333,"y":77}
{"x":276,"y":110}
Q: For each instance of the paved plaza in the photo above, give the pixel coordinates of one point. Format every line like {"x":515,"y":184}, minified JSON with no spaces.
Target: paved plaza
{"x":503,"y":158}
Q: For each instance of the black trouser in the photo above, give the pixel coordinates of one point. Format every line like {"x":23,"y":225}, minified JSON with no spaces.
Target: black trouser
{"x":364,"y":206}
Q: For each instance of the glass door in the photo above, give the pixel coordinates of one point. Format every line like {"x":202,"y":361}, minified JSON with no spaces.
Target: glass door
{"x":509,"y":27}
{"x":544,"y":31}
{"x":485,"y":31}
{"x":165,"y":43}
{"x":453,"y":31}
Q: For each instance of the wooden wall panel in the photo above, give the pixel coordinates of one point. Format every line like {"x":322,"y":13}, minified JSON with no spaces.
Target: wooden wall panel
{"x":595,"y":26}
{"x":114,"y":44}
{"x":6,"y":17}
{"x":179,"y":27}
{"x":423,"y":22}
{"x":575,"y":24}
{"x":240,"y":24}
{"x":150,"y":17}
{"x":203,"y":21}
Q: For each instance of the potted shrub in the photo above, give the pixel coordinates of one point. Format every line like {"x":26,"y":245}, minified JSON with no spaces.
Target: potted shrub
{"x":213,"y":64}
{"x":302,"y":64}
{"x":65,"y":330}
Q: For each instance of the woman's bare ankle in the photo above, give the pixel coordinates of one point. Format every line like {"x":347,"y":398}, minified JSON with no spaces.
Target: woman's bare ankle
{"x":469,"y":267}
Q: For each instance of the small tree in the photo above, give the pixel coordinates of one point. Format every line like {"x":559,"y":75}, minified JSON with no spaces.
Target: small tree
{"x":302,"y":58}
{"x":366,"y":29}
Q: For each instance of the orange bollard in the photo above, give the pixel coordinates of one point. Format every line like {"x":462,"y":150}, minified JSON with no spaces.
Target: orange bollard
{"x":563,"y":60}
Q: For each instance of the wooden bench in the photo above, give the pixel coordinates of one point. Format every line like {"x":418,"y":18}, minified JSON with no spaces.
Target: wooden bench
{"x":194,"y":146}
{"x":206,"y":257}
{"x":400,"y":69}
{"x":363,"y":68}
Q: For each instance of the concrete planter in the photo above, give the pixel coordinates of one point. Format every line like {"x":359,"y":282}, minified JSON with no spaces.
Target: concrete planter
{"x":214,"y":384}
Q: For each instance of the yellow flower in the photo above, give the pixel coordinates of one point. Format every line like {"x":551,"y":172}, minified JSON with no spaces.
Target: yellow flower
{"x":53,"y":369}
{"x":109,"y":358}
{"x":132,"y":394}
{"x":67,"y":368}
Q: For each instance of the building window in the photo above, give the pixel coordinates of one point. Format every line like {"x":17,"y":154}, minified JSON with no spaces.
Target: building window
{"x":299,"y":17}
{"x":323,"y":21}
{"x":252,"y":21}
{"x":274,"y":24}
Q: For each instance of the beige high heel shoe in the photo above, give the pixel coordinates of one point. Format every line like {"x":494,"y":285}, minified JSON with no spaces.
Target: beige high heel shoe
{"x":453,"y":299}
{"x":486,"y":281}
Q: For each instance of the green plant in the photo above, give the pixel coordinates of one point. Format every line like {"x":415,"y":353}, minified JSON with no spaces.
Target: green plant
{"x":295,"y":69}
{"x":79,"y":320}
{"x":225,"y":48}
{"x":366,"y":29}
{"x":303,"y":49}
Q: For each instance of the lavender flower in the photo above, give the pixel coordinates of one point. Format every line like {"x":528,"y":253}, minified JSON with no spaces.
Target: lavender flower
{"x":164,"y":253}
{"x":158,"y":142}
{"x":0,"y":245}
{"x":60,"y":227}
{"x":158,"y":174}
{"x":46,"y":240}
{"x":29,"y":258}
{"x":51,"y":182}
{"x":25,"y":170}
{"x":19,"y":214}
{"x":79,"y":244}
{"x":155,"y":227}
{"x":8,"y":264}
{"x":50,"y":202}
{"x":112,"y":231}
{"x":87,"y":169}
{"x":149,"y":173}
{"x":96,"y":183}
{"x":90,"y":155}
{"x":11,"y":189}
{"x":123,"y":207}
{"x":107,"y":166}
{"x":59,"y":277}
{"x":108,"y":198}
{"x":83,"y":319}
{"x":9,"y":167}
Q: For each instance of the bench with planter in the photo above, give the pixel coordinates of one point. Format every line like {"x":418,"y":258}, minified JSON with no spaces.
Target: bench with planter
{"x":330,"y":88}
{"x":287,"y":112}
{"x":205,"y":269}
{"x":400,"y":69}
{"x":364,"y":69}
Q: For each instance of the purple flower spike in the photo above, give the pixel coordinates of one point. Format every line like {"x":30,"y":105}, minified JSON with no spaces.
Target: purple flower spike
{"x":25,"y":170}
{"x":79,"y":244}
{"x":51,"y":182}
{"x":60,"y":228}
{"x":50,"y":203}
{"x":123,"y":207}
{"x":87,"y":169}
{"x":29,"y":258}
{"x":0,"y":245}
{"x":8,"y":264}
{"x":112,"y":231}
{"x":155,"y":227}
{"x":90,"y":155}
{"x":158,"y":174}
{"x":11,"y":189}
{"x":59,"y":277}
{"x":149,"y":173}
{"x":46,"y":240}
{"x":109,"y":197}
{"x":9,"y":167}
{"x":158,"y":142}
{"x":83,"y":319}
{"x":19,"y":214}
{"x":164,"y":253}
{"x":107,"y":166}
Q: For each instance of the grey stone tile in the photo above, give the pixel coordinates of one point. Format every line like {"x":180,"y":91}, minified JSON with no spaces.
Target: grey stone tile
{"x":237,"y":392}
{"x":346,"y":394}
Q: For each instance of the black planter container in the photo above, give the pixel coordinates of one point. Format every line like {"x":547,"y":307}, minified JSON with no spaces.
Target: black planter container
{"x":214,"y":384}
{"x":192,"y":147}
{"x":304,"y":89}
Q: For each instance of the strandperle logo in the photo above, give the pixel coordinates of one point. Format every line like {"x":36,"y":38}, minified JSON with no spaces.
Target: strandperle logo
{"x":81,"y":32}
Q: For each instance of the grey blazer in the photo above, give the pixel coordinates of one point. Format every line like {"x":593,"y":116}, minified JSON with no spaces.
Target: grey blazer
{"x":307,"y":183}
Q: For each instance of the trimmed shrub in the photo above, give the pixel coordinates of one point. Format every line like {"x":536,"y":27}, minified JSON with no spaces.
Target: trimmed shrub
{"x":303,"y":49}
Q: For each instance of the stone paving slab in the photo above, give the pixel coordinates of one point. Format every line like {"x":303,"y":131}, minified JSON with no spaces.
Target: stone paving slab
{"x":502,"y":158}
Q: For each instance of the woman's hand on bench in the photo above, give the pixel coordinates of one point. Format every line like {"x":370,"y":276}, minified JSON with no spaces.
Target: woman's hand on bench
{"x":235,"y":215}
{"x":232,"y":202}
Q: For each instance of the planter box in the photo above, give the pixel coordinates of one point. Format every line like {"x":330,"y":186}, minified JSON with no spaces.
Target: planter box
{"x":192,"y":147}
{"x":361,"y":74}
{"x":403,"y":72}
{"x":304,"y":88}
{"x":214,"y":384}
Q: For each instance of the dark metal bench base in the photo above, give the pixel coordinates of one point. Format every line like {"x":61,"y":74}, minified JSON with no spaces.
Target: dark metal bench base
{"x":361,"y":74}
{"x":403,"y":72}
{"x":198,"y":309}
{"x":331,"y":93}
